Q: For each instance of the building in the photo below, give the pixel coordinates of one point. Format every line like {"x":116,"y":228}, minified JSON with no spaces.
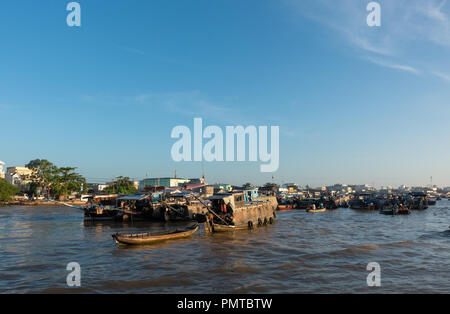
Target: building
{"x":96,"y":187}
{"x":2,"y":172}
{"x":339,"y":189}
{"x":15,"y":175}
{"x":166,"y":182}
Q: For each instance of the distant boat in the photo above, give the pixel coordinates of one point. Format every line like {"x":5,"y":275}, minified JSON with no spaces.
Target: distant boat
{"x":287,"y":207}
{"x":152,"y":237}
{"x":395,"y":211}
{"x":313,"y":211}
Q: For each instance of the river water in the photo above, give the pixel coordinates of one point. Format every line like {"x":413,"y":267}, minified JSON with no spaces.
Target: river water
{"x":301,"y":253}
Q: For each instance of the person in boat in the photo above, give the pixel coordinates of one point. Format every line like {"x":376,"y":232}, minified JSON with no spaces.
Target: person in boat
{"x":321,"y":206}
{"x":223,"y":207}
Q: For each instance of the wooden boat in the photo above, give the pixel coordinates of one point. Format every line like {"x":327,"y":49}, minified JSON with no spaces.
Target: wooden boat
{"x":287,"y":207}
{"x":313,"y":211}
{"x":395,"y":211}
{"x":152,"y":237}
{"x":229,"y":212}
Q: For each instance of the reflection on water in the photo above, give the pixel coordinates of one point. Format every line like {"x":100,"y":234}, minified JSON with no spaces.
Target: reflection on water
{"x":321,"y":253}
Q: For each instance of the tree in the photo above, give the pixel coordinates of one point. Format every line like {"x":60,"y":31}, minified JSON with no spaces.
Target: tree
{"x":271,"y":185}
{"x":247,"y":186}
{"x":43,"y":175}
{"x":123,"y":185}
{"x":66,"y":182}
{"x":57,"y":182}
{"x":7,"y":190}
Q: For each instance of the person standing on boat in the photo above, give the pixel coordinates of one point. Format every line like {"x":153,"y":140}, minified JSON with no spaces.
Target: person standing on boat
{"x":223,"y":207}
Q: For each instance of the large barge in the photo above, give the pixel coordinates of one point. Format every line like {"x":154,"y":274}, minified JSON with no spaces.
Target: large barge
{"x":230,"y":212}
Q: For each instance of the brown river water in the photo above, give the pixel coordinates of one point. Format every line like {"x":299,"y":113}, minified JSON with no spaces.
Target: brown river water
{"x":300,"y":253}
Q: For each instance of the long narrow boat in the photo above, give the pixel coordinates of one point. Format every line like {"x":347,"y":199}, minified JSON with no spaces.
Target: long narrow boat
{"x":313,"y":211}
{"x":395,"y":211}
{"x":152,"y":237}
{"x":287,"y":207}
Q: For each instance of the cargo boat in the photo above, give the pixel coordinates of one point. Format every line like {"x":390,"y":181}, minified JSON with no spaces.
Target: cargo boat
{"x":230,"y":212}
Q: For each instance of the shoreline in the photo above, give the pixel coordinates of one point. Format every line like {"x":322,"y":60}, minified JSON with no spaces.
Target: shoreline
{"x":39,"y":203}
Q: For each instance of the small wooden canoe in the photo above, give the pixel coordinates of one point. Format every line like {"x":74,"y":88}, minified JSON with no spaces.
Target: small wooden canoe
{"x":152,"y":237}
{"x":320,"y":210}
{"x":394,"y":212}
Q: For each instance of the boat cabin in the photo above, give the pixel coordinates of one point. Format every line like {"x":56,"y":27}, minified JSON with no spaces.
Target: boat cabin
{"x":227,"y":202}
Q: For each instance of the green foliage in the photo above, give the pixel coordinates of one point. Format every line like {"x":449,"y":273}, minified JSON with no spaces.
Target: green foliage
{"x":7,"y":190}
{"x":247,"y":186}
{"x":66,"y":182}
{"x":123,"y":185}
{"x":57,"y":182}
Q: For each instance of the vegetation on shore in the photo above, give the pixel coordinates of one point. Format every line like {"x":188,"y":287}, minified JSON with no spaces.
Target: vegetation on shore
{"x":52,"y":181}
{"x":123,"y":185}
{"x":7,"y":191}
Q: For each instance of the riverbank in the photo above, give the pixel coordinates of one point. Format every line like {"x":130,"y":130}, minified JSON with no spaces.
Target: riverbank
{"x":39,"y":203}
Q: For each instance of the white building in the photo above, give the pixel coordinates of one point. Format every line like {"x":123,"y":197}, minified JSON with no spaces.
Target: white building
{"x":2,"y":172}
{"x":15,"y":175}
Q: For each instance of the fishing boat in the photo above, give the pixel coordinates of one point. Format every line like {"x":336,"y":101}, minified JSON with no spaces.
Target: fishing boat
{"x":418,"y":201}
{"x":392,"y":211}
{"x":152,"y":237}
{"x":306,"y":203}
{"x":287,"y":207}
{"x":314,"y":211}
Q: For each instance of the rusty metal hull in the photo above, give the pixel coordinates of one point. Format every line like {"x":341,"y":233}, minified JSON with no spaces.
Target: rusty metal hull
{"x":244,"y":218}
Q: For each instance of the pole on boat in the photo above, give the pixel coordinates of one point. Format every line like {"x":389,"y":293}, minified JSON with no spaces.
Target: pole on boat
{"x":210,"y":210}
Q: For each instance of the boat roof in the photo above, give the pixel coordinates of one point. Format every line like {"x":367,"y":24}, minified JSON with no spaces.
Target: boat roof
{"x":134,"y":197}
{"x":181,"y":194}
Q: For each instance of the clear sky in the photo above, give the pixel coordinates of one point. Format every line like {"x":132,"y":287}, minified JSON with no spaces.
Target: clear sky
{"x":354,"y":104}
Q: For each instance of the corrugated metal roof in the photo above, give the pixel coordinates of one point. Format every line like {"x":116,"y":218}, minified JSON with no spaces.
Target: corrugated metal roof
{"x":138,"y":197}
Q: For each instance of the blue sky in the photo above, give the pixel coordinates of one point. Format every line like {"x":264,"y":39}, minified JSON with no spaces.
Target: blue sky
{"x":354,"y":104}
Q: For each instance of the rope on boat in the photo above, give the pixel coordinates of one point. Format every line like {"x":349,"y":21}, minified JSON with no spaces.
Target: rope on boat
{"x":172,"y":208}
{"x":210,"y":210}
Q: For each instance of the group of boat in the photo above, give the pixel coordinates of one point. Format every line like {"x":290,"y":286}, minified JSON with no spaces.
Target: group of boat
{"x":387,"y":205}
{"x":224,"y":212}
{"x":220,"y":212}
{"x":311,"y":205}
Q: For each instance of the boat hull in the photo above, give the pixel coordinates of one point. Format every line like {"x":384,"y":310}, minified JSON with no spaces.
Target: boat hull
{"x":314,"y":211}
{"x":150,"y":238}
{"x":286,"y":207}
